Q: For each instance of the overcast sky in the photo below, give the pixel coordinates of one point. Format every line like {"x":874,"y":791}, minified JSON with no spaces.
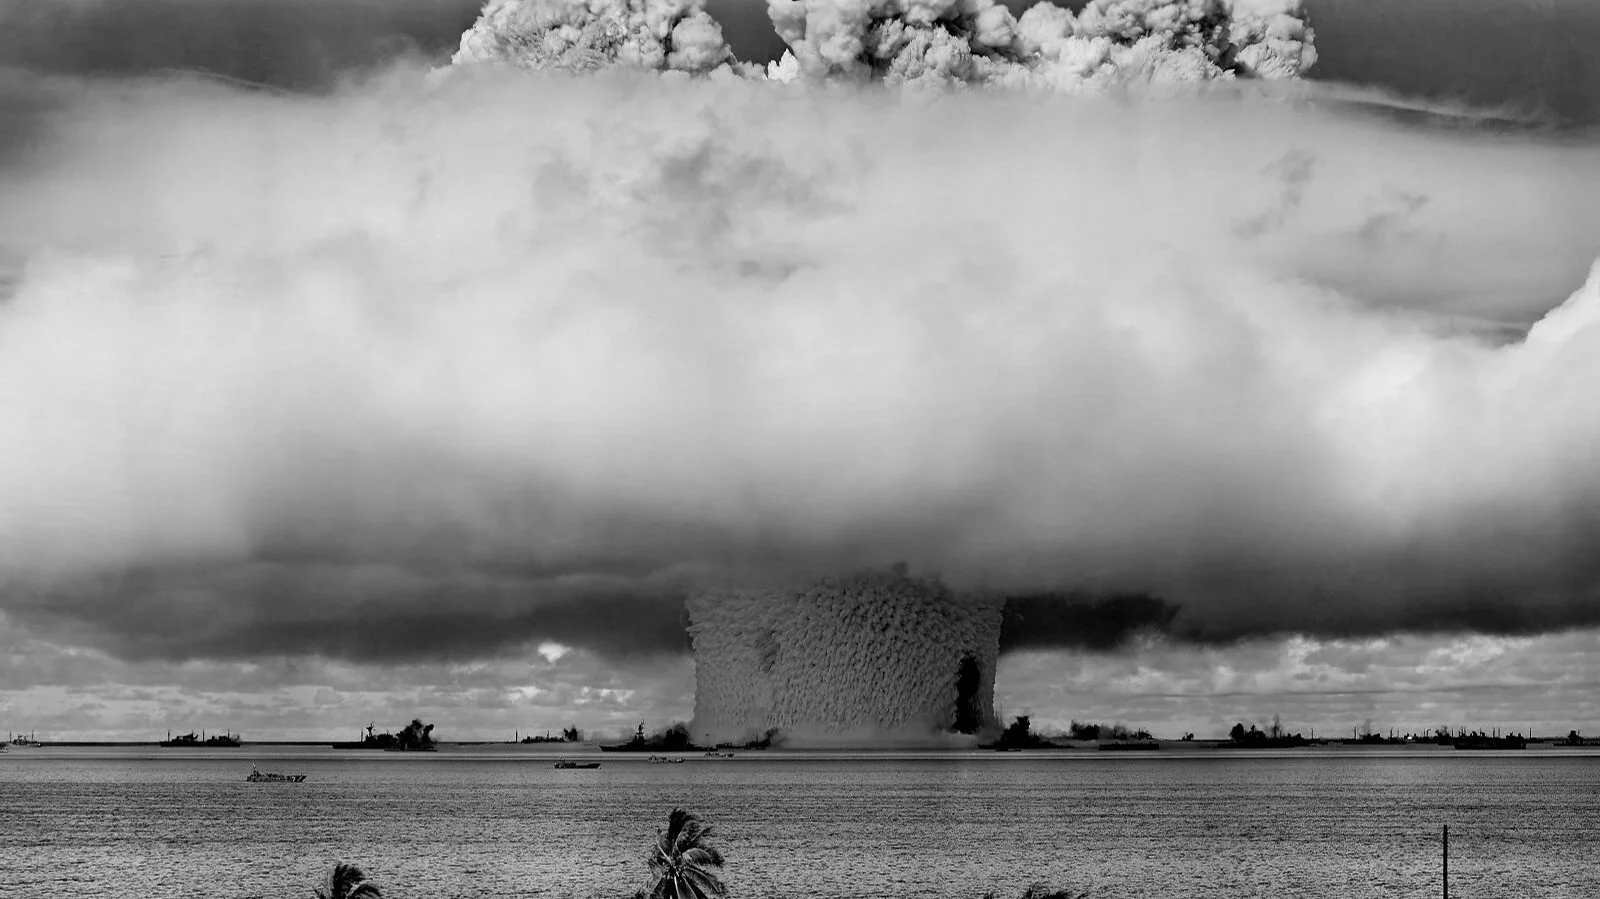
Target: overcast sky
{"x":342,"y":406}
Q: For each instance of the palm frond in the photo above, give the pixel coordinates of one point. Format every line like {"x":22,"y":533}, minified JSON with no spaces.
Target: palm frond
{"x":675,"y":823}
{"x":347,"y":882}
{"x":694,"y":833}
{"x":682,"y":865}
{"x":705,"y":856}
{"x":661,"y":888}
{"x":1040,"y":891}
{"x":704,"y":884}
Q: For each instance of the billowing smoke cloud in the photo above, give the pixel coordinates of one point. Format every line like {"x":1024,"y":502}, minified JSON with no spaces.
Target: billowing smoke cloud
{"x":584,"y":35}
{"x":980,"y":41}
{"x":915,"y":41}
{"x":1434,"y":48}
{"x":456,"y":357}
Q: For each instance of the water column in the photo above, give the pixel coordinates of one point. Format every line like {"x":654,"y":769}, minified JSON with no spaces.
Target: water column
{"x":869,"y":654}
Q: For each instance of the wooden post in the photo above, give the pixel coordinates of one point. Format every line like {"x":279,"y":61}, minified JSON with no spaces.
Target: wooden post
{"x":1447,"y":861}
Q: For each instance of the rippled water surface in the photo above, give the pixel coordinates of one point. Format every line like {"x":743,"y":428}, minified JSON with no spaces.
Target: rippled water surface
{"x":502,"y":822}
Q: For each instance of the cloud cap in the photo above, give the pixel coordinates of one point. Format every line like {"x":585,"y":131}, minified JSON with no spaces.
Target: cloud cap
{"x":448,"y":348}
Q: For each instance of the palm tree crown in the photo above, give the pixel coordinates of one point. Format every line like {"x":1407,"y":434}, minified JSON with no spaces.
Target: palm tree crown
{"x":347,"y":882}
{"x":682,"y":864}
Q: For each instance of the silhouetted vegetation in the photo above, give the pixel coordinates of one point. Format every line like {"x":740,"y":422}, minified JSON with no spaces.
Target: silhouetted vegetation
{"x":1019,"y":735}
{"x":1274,"y":737}
{"x":347,"y":882}
{"x":683,"y":865}
{"x":1084,"y":730}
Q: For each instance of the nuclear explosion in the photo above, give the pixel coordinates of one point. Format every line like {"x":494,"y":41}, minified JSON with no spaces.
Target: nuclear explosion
{"x":868,"y":653}
{"x":884,"y":653}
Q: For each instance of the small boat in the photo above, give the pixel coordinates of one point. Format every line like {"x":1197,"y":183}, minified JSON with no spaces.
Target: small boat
{"x":665,"y":760}
{"x":713,"y":754}
{"x":566,"y":764}
{"x":258,"y":776}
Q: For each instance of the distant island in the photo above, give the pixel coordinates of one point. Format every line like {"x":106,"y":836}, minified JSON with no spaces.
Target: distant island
{"x":416,"y":737}
{"x":1276,"y":737}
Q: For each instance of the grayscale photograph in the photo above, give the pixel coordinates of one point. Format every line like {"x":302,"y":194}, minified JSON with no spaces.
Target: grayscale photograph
{"x":799,"y":449}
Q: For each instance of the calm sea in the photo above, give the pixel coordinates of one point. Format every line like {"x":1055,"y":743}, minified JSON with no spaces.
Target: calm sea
{"x":503,"y":822}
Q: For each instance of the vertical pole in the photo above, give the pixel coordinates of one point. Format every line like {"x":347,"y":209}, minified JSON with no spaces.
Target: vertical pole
{"x":1447,"y":861}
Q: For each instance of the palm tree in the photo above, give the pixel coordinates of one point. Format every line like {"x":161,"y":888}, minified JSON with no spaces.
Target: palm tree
{"x":347,"y":882}
{"x":1040,"y":891}
{"x":682,"y":865}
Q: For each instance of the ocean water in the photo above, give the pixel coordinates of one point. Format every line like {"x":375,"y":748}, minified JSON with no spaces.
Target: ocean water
{"x":503,"y":822}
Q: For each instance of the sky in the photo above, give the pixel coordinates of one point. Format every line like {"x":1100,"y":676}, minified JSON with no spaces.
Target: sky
{"x":363,"y":400}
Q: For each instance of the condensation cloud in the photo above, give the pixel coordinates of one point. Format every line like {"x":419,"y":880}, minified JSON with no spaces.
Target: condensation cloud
{"x":451,"y":358}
